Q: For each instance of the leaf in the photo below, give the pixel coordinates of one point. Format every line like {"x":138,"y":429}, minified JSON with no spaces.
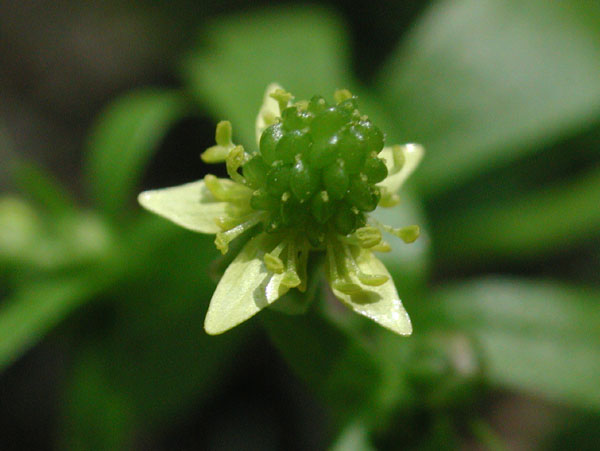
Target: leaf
{"x":29,"y":313}
{"x":378,"y":303}
{"x":245,"y":289}
{"x":337,"y":366}
{"x":537,"y":337}
{"x":191,"y":206}
{"x":123,"y":140}
{"x":528,"y":225}
{"x":155,"y":360}
{"x":33,"y":241}
{"x":482,"y":83}
{"x":43,"y":188}
{"x":244,"y":55}
{"x":354,"y":437}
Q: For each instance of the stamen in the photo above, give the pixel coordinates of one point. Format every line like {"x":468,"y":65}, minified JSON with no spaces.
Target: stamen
{"x":368,"y":236}
{"x":225,"y":190}
{"x":384,"y":246}
{"x":223,"y":239}
{"x":218,"y":153}
{"x":273,"y":263}
{"x":272,"y":260}
{"x":302,"y":265}
{"x":388,"y":199}
{"x":227,"y":222}
{"x":283,"y":98}
{"x":374,"y":280}
{"x":407,"y":234}
{"x":343,"y":284}
{"x":291,"y":278}
{"x":235,"y":159}
{"x":341,"y":94}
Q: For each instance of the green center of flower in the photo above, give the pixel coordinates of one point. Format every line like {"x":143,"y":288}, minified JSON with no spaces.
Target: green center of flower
{"x":317,"y":168}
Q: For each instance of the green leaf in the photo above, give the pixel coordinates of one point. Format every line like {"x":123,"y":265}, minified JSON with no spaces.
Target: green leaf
{"x":43,"y":188}
{"x":244,"y":55}
{"x":337,"y":366}
{"x":191,"y":206}
{"x":246,"y":287}
{"x":528,"y":225}
{"x":28,"y":314}
{"x":354,"y":437}
{"x":480,"y":83}
{"x":30,"y":240}
{"x":123,"y":140}
{"x":378,"y":303}
{"x":154,"y":361}
{"x":537,"y":337}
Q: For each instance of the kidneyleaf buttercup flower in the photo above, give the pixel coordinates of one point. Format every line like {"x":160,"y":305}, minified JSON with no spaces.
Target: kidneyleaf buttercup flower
{"x":317,"y":171}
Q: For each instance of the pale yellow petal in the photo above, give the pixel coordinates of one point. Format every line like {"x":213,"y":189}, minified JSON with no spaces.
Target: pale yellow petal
{"x":191,"y":206}
{"x":401,"y":162}
{"x":246,"y":288}
{"x":378,"y":303}
{"x":268,"y":111}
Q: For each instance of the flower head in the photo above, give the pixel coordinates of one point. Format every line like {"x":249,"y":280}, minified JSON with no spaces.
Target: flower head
{"x":317,"y":172}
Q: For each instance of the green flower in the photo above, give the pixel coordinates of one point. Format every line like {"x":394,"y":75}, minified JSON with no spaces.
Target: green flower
{"x":318,"y":171}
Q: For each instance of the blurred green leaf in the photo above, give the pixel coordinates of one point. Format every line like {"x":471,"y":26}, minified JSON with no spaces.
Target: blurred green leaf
{"x":335,"y":364}
{"x":155,"y":360}
{"x":36,"y":308}
{"x":480,"y":83}
{"x":534,"y":222}
{"x":354,"y":437}
{"x":537,"y":337}
{"x":96,"y":416}
{"x":304,"y":50}
{"x":31,"y":240}
{"x":43,"y":188}
{"x":123,"y":140}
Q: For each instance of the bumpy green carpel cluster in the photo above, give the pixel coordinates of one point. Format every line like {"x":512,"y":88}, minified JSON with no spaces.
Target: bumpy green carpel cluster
{"x":317,"y":168}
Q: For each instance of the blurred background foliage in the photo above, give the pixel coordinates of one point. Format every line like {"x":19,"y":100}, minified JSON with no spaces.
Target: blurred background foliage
{"x":101,"y":309}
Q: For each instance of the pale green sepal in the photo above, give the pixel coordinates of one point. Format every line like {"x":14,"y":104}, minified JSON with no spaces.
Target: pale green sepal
{"x":378,"y":303}
{"x":269,"y":111}
{"x":246,"y":288}
{"x":401,"y":162}
{"x":191,"y":206}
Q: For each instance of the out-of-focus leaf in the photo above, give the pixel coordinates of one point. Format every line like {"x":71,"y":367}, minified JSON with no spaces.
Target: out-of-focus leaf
{"x":532,"y":223}
{"x":536,"y":337}
{"x":33,"y":310}
{"x":43,"y":189}
{"x":480,"y":83}
{"x":304,"y":50}
{"x":96,"y":416}
{"x":156,"y":360}
{"x":354,"y":437}
{"x":123,"y":140}
{"x":34,"y":241}
{"x":333,"y":363}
